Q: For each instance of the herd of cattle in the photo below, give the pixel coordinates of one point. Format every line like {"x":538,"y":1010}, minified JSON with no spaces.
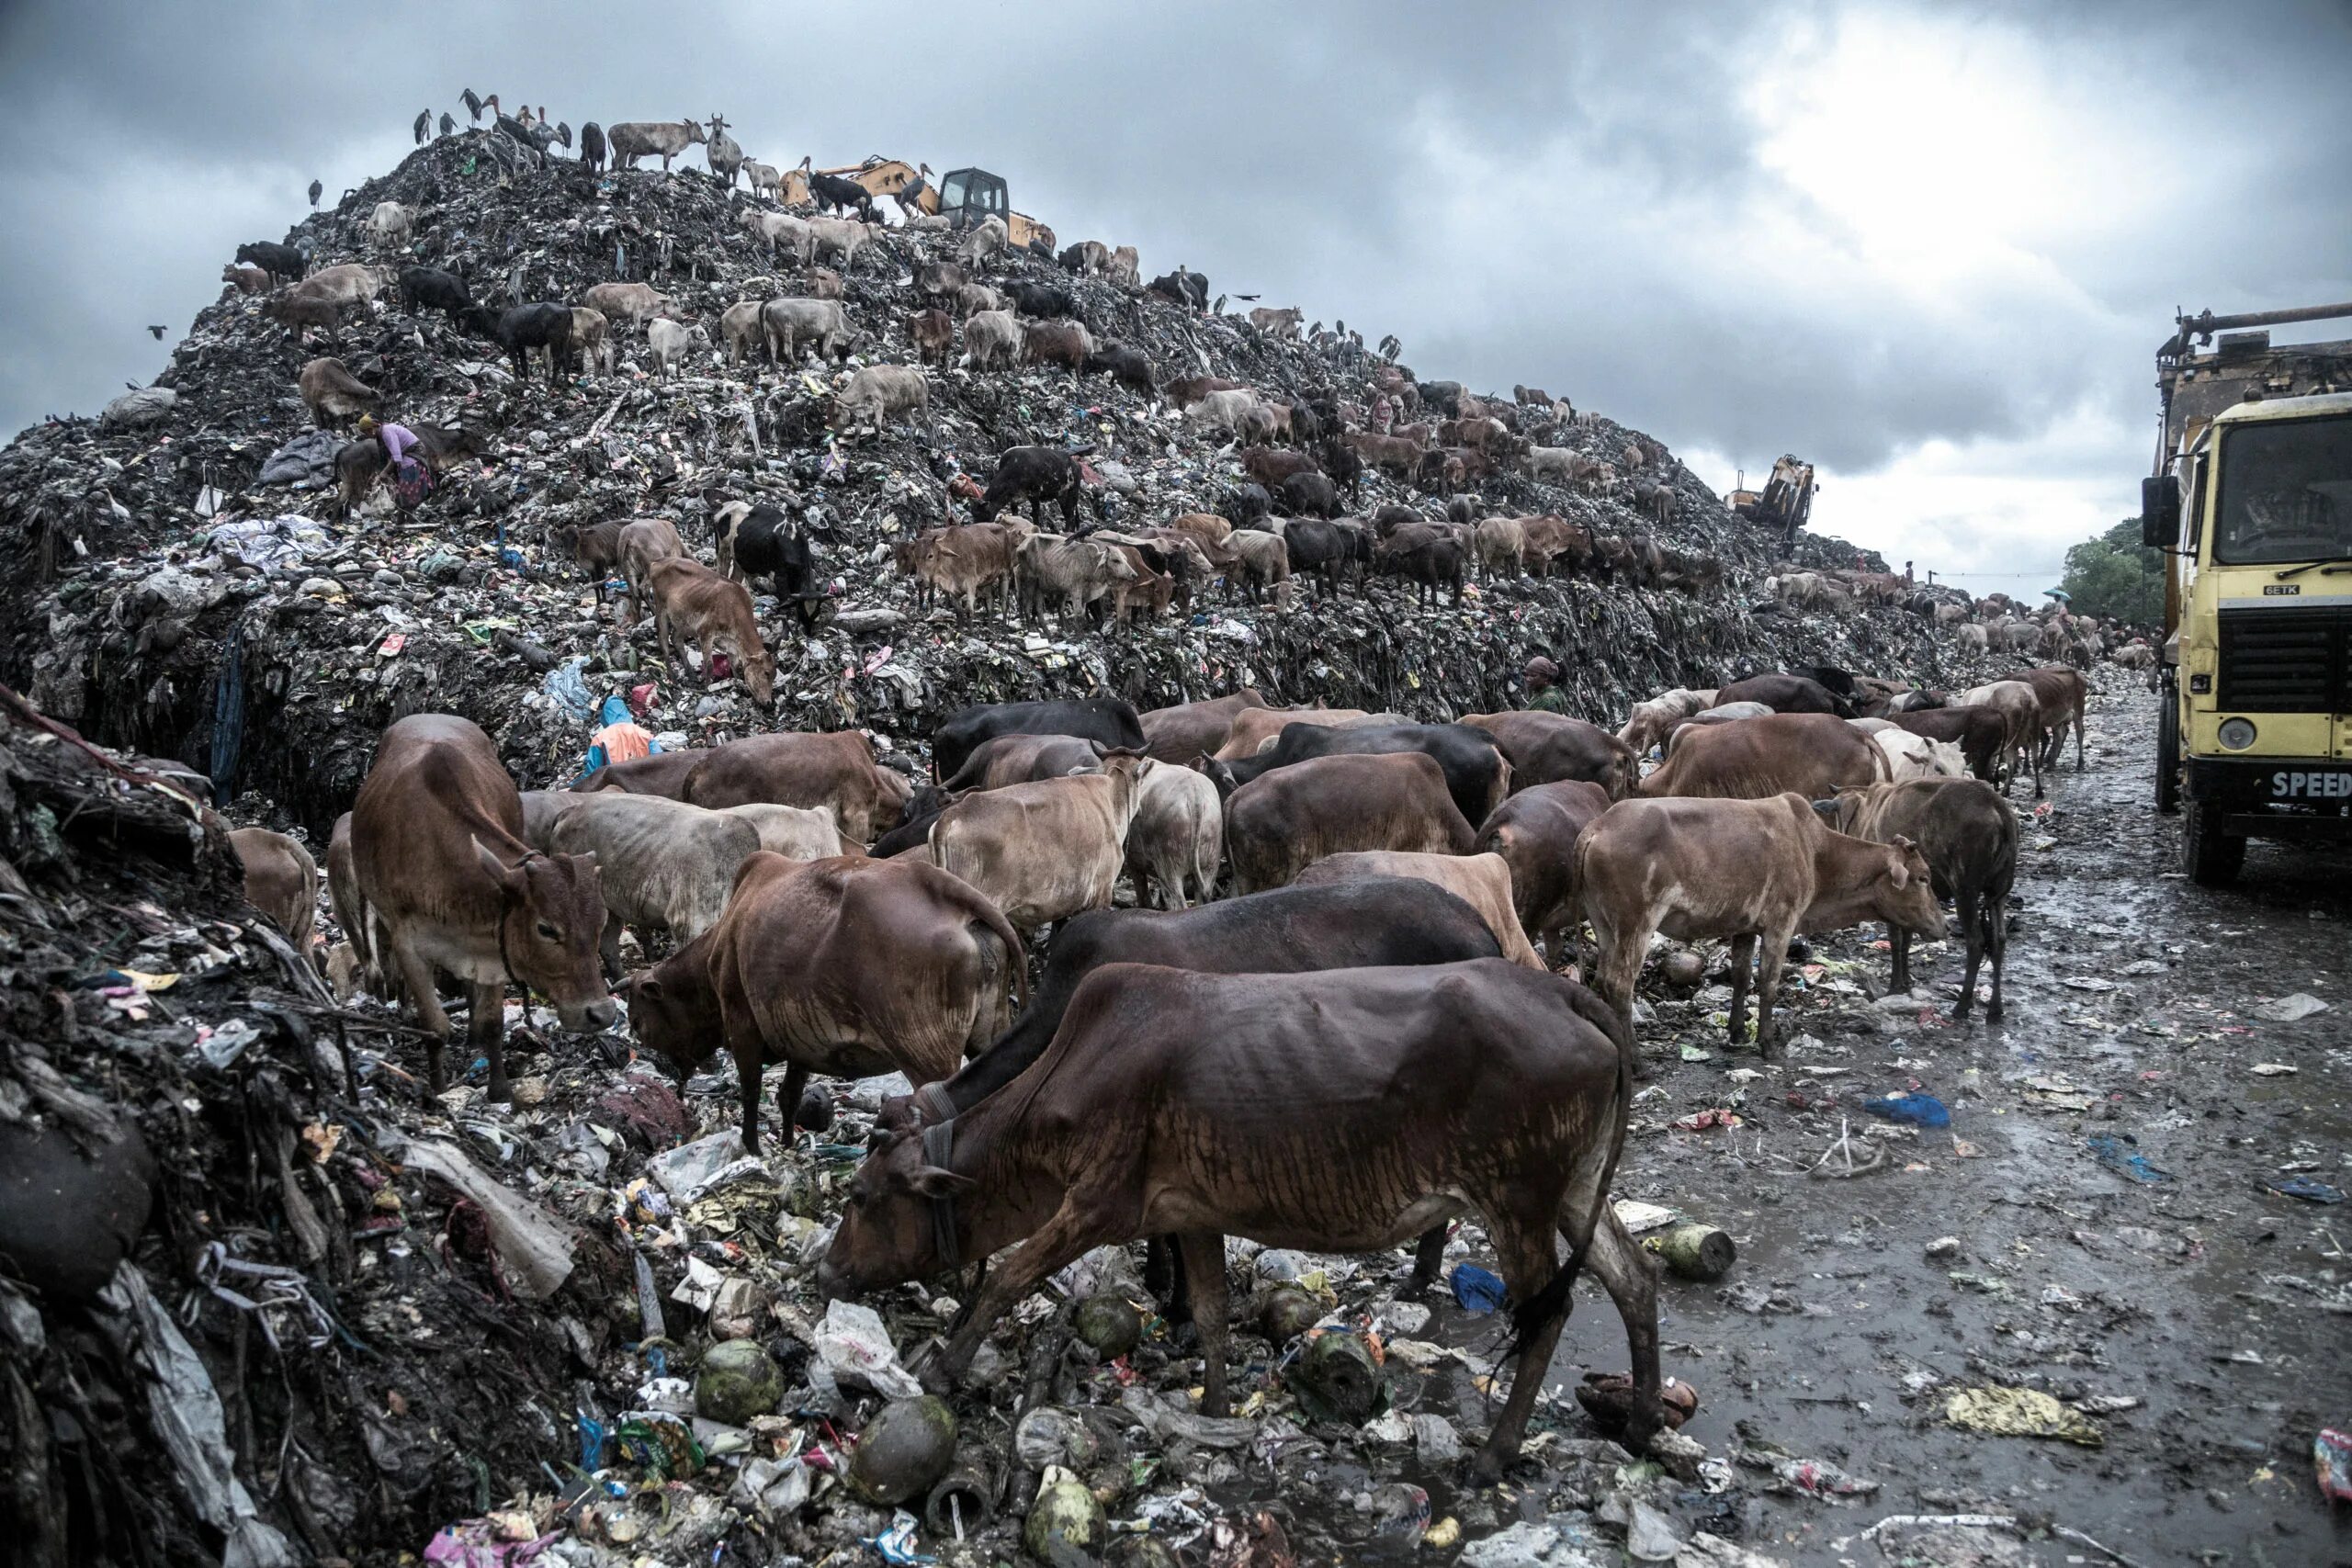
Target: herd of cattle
{"x":1384,"y":886}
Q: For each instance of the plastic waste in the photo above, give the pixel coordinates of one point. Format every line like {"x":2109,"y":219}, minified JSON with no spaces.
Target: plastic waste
{"x":2304,"y":1188}
{"x":2292,"y":1009}
{"x":693,"y":1171}
{"x":2331,"y":1458}
{"x":535,"y":1253}
{"x":1475,"y":1290}
{"x":856,"y":1348}
{"x":1918,"y":1110}
{"x":2120,"y":1153}
{"x":2020,"y":1412}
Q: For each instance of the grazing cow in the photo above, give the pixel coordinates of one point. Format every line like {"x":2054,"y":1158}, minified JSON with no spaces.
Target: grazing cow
{"x":1261,"y":565}
{"x":1174,"y":1096}
{"x":847,"y":967}
{"x":1190,"y":729}
{"x":1756,"y":870}
{"x":282,"y":881}
{"x":1066,"y":343}
{"x":443,"y":880}
{"x":1076,"y":572}
{"x":1787,"y":694}
{"x":933,"y":336}
{"x":1107,"y":719}
{"x":1546,"y":747}
{"x":835,"y":193}
{"x":2019,"y":707}
{"x":1968,"y":835}
{"x":545,"y":325}
{"x":1284,"y":930}
{"x":631,"y":302}
{"x":1477,"y":774}
{"x":663,"y":864}
{"x":1278,"y":824}
{"x":278,"y":261}
{"x":1125,"y":365}
{"x":962,"y":560}
{"x":1025,"y":759}
{"x":1755,"y":759}
{"x":1270,"y":467}
{"x":1648,"y":724}
{"x":1309,"y":495}
{"x":1042,"y":851}
{"x":835,"y":771}
{"x":694,"y":603}
{"x":1032,"y":473}
{"x":791,"y":325}
{"x":1481,"y":881}
{"x":1979,"y":733}
{"x":662,"y":773}
{"x":1176,"y":837}
{"x":644,"y":542}
{"x":1535,"y":833}
{"x":753,"y":539}
{"x":2061,"y":694}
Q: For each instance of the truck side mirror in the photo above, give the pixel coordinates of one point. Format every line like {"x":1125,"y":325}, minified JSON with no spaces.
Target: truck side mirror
{"x":2160,"y":513}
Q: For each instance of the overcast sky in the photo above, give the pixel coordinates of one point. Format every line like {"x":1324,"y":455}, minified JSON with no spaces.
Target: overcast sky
{"x":1930,"y":247}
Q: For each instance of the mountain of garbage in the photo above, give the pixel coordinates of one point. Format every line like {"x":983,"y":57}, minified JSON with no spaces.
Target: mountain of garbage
{"x":283,"y":1314}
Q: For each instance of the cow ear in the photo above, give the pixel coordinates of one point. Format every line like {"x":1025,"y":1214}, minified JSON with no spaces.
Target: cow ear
{"x":1827,"y":809}
{"x":937,"y":1182}
{"x":648,"y":986}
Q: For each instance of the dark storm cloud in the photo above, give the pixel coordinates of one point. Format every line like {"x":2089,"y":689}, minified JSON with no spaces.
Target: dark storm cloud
{"x":1579,"y":198}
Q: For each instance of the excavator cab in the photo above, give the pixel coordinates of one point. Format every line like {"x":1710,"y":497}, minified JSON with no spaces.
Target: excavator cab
{"x":967,"y":196}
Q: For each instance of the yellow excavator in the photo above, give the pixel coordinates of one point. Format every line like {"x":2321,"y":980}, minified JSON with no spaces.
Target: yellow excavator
{"x":964,"y":195}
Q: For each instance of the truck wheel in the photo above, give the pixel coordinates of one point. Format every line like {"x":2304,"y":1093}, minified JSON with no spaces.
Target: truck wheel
{"x":2168,"y":757}
{"x":2211,"y":857}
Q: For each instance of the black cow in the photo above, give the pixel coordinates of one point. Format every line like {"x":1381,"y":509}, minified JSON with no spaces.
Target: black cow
{"x":1786,"y":694}
{"x":1434,"y":563}
{"x":1477,"y":774}
{"x":833,"y":193}
{"x":430,"y":288}
{"x":544,"y":325}
{"x":278,"y":261}
{"x":1040,"y":299}
{"x":1032,"y":473}
{"x":1124,"y":365}
{"x":1325,"y":548}
{"x":1248,"y":503}
{"x":592,"y":146}
{"x":1345,"y":465}
{"x":763,"y":543}
{"x":1310,"y":495}
{"x":1107,"y":719}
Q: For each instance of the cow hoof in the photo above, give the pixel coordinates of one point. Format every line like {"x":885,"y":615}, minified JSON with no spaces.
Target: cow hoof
{"x":1487,"y":1470}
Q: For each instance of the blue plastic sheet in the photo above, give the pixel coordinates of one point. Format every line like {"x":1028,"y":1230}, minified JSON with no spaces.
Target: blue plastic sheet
{"x":2122,"y":1155}
{"x":1477,"y":1290}
{"x":1919,"y":1110}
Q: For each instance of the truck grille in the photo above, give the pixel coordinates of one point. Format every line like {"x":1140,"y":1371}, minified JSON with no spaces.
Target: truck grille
{"x":2286,"y":661}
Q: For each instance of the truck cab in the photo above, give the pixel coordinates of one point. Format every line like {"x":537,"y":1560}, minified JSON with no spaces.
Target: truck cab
{"x":2256,"y":508}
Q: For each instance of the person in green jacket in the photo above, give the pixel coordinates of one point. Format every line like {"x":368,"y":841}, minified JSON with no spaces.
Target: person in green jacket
{"x":1544,"y":694}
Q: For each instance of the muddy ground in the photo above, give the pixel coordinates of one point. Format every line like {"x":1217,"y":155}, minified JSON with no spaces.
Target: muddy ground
{"x":2223,"y":1310}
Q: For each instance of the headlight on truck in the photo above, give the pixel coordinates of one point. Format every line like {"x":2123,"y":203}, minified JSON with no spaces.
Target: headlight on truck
{"x":2237,"y":734}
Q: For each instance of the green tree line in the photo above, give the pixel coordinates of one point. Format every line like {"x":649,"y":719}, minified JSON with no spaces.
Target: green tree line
{"x":2115,"y":576}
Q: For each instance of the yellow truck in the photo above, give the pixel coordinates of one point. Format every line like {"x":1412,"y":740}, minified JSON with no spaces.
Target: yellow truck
{"x":2252,"y":500}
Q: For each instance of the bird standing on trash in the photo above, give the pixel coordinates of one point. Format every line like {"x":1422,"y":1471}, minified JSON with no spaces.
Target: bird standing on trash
{"x":315,"y":189}
{"x":423,"y":125}
{"x":448,"y":126}
{"x":473,"y":103}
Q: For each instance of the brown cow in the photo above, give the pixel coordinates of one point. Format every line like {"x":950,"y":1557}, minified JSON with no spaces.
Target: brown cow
{"x":694,"y":603}
{"x":1043,"y":852}
{"x":443,"y":880}
{"x":1284,"y":820}
{"x":1969,"y":837}
{"x":1255,"y":728}
{"x":1815,"y":754}
{"x":1547,"y":748}
{"x":2019,"y":707}
{"x":662,"y":773}
{"x":965,"y":561}
{"x":1276,"y":1107}
{"x":1535,"y":832}
{"x":1186,"y":391}
{"x":1481,"y":881}
{"x":846,"y":966}
{"x":836,"y":770}
{"x":643,"y":542}
{"x":281,"y":881}
{"x":1004,"y":760}
{"x":933,"y":333}
{"x":2062,"y":693}
{"x":1181,"y":733}
{"x":1206,"y":528}
{"x":1756,"y":870}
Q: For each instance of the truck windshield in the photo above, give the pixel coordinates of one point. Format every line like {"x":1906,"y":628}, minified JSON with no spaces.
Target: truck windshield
{"x":2286,"y":493}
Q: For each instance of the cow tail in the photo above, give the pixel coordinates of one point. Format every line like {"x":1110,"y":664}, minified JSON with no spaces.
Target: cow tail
{"x":1882,"y":765}
{"x":1553,"y":1299}
{"x":1015,"y":955}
